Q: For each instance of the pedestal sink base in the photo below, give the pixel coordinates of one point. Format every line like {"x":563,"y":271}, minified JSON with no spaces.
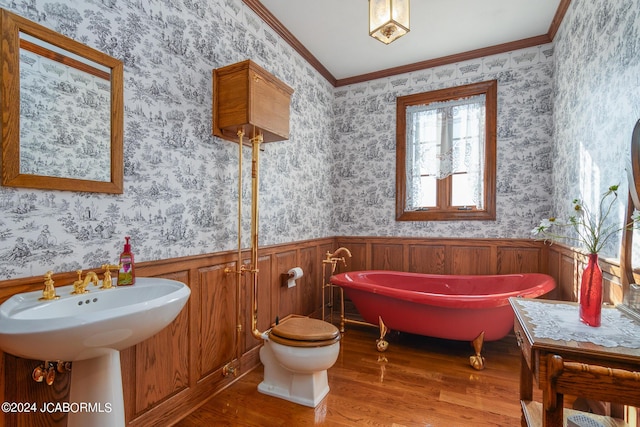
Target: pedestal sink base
{"x":96,"y":392}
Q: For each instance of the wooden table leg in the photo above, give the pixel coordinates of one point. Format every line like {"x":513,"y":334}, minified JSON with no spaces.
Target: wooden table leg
{"x":526,"y":380}
{"x":526,"y":386}
{"x":552,"y":401}
{"x":553,"y":415}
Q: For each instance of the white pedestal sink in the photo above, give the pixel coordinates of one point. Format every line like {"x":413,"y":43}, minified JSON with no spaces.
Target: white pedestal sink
{"x":90,"y":330}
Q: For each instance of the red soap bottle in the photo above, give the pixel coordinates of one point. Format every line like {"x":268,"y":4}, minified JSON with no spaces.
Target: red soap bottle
{"x":126,"y":275}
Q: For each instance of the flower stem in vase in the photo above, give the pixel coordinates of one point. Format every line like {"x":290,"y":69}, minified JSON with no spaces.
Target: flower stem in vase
{"x":591,"y":292}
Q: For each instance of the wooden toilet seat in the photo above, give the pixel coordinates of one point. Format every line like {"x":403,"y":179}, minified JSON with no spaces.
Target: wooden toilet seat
{"x":304,"y":332}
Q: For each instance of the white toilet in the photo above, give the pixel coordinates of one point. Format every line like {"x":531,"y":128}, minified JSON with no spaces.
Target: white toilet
{"x":296,"y":355}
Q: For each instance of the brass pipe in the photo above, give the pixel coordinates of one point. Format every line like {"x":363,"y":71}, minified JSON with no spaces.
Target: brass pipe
{"x":256,"y":141}
{"x":333,"y":259}
{"x":255,"y":161}
{"x":358,"y":322}
{"x":324,"y":285}
{"x":239,"y":265}
{"x":341,"y":310}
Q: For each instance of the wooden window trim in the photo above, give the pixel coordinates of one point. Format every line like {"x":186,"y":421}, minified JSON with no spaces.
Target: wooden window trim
{"x":490,"y":90}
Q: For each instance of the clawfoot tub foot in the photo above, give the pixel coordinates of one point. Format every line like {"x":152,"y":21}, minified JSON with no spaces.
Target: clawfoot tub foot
{"x":477,"y":361}
{"x":381,"y":344}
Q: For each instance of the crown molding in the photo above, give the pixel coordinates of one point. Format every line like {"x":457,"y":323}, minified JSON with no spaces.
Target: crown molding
{"x":283,"y":32}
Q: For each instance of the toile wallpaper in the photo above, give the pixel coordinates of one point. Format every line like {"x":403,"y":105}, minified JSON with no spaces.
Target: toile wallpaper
{"x":365,"y":132}
{"x":336,"y":174}
{"x":596,"y":104}
{"x":180,"y":195}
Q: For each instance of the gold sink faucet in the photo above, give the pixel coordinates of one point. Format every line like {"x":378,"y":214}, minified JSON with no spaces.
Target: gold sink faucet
{"x":79,"y":286}
{"x":49,"y":291}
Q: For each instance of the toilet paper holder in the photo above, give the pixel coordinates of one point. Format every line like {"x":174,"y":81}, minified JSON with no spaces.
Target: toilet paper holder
{"x":289,"y":278}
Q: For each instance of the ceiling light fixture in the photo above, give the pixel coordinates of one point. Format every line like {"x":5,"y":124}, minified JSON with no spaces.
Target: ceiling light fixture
{"x":388,"y":19}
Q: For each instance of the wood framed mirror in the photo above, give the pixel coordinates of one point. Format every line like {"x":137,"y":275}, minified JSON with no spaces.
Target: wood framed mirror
{"x":62,"y":111}
{"x":629,"y":287}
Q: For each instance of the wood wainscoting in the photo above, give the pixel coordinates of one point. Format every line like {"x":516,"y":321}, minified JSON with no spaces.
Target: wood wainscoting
{"x":171,"y":374}
{"x":446,"y":256}
{"x":566,"y":266}
{"x":482,"y":256}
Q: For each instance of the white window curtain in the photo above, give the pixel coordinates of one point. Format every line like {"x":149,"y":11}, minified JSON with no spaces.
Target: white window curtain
{"x":444,"y":138}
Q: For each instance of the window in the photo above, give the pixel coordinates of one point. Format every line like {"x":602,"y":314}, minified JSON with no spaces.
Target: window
{"x":446,"y":154}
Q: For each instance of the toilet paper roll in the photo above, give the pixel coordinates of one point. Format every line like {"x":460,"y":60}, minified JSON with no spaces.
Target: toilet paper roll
{"x":294,"y":274}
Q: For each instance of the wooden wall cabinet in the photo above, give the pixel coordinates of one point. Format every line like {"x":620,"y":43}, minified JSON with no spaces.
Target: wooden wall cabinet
{"x":247,"y":97}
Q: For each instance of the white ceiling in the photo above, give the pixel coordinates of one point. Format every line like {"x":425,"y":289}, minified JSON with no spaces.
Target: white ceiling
{"x":337,"y":35}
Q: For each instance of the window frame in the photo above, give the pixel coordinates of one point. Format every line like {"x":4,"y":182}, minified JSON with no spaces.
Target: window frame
{"x":446,"y":212}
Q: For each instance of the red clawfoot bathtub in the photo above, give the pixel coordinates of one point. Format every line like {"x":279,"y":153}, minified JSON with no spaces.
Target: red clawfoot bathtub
{"x":441,"y":306}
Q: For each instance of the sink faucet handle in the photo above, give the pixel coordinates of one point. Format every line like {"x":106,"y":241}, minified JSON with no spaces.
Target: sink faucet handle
{"x":107,"y":282}
{"x":78,"y":286}
{"x":49,"y":291}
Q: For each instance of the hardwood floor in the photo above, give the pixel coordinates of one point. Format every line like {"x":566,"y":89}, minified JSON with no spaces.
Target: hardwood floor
{"x":418,"y":381}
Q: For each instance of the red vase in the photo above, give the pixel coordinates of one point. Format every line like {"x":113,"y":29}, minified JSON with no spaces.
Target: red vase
{"x":591,"y":292}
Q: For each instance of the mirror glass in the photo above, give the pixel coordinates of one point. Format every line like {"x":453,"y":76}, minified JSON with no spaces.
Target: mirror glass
{"x":633,"y":167}
{"x":57,"y":90}
{"x":65,"y":132}
{"x":631,"y":238}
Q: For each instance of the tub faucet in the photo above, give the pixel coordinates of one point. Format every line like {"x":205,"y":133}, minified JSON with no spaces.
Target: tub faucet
{"x":335,"y":254}
{"x":79,"y":286}
{"x":333,"y":258}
